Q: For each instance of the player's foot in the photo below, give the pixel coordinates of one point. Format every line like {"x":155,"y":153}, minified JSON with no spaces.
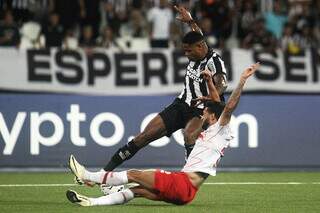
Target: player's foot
{"x":76,"y":180}
{"x":74,"y":197}
{"x":78,"y":170}
{"x":106,"y":190}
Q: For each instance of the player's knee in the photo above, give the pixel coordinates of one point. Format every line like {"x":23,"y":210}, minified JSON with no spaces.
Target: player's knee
{"x":134,"y":175}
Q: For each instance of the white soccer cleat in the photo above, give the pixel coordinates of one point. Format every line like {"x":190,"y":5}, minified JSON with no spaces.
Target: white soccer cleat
{"x":106,"y":190}
{"x":76,"y":180}
{"x":74,"y":197}
{"x":78,"y":170}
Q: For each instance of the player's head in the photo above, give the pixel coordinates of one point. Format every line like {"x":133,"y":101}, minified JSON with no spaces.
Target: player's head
{"x":194,"y":45}
{"x":214,"y":110}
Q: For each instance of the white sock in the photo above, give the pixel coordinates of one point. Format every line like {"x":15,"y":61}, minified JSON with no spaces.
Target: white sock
{"x":108,"y":178}
{"x":93,"y":176}
{"x":114,"y":198}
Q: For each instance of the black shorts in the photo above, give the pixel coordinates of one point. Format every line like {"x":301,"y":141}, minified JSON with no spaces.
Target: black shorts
{"x":177,"y":115}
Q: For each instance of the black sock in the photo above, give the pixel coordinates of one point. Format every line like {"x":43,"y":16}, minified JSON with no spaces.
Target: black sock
{"x":188,"y":149}
{"x":124,"y":153}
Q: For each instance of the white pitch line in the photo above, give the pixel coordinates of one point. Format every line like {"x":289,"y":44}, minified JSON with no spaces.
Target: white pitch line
{"x":38,"y":185}
{"x":209,"y":183}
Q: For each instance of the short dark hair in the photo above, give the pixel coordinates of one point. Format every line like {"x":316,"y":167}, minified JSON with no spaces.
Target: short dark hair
{"x":215,"y":107}
{"x":192,"y":37}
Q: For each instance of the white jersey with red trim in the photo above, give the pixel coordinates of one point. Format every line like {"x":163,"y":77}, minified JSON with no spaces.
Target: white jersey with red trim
{"x":208,"y":149}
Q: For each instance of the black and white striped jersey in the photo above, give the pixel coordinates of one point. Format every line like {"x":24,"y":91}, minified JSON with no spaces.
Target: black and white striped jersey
{"x":194,"y":85}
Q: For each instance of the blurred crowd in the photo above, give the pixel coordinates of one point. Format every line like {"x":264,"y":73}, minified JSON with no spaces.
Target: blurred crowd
{"x":291,"y":25}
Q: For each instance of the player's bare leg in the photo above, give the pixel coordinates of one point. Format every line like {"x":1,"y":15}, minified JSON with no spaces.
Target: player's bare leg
{"x":145,"y":193}
{"x":153,"y":131}
{"x":191,"y":126}
{"x":144,"y":178}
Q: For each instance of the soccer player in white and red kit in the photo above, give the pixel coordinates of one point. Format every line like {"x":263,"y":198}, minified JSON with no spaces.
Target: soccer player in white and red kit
{"x":173,"y":187}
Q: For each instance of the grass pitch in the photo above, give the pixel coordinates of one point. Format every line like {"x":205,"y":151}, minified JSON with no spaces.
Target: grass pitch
{"x":227,"y":192}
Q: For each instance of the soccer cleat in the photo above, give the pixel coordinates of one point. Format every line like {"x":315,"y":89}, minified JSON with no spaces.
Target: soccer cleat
{"x":76,"y":180}
{"x":106,"y":190}
{"x":74,"y":197}
{"x":78,"y":170}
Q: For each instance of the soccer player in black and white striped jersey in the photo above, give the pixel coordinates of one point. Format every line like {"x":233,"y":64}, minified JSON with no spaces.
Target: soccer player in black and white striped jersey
{"x":186,"y":110}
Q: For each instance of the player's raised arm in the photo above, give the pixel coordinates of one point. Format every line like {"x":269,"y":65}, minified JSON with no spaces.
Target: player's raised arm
{"x":185,"y":16}
{"x":213,"y":92}
{"x":235,"y":96}
{"x":220,"y":82}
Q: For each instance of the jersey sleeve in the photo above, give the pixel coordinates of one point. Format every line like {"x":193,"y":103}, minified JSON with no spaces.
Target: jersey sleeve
{"x":216,"y":65}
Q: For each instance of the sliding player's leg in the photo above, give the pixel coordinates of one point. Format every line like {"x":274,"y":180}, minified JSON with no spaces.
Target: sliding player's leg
{"x":100,"y":177}
{"x":173,"y":187}
{"x":111,"y":199}
{"x":145,"y":193}
{"x":116,"y":198}
{"x":144,"y":178}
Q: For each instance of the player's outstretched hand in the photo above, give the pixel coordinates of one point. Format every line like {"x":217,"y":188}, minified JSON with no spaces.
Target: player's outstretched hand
{"x":207,"y":75}
{"x":184,"y":15}
{"x":197,"y":101}
{"x":249,"y":71}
